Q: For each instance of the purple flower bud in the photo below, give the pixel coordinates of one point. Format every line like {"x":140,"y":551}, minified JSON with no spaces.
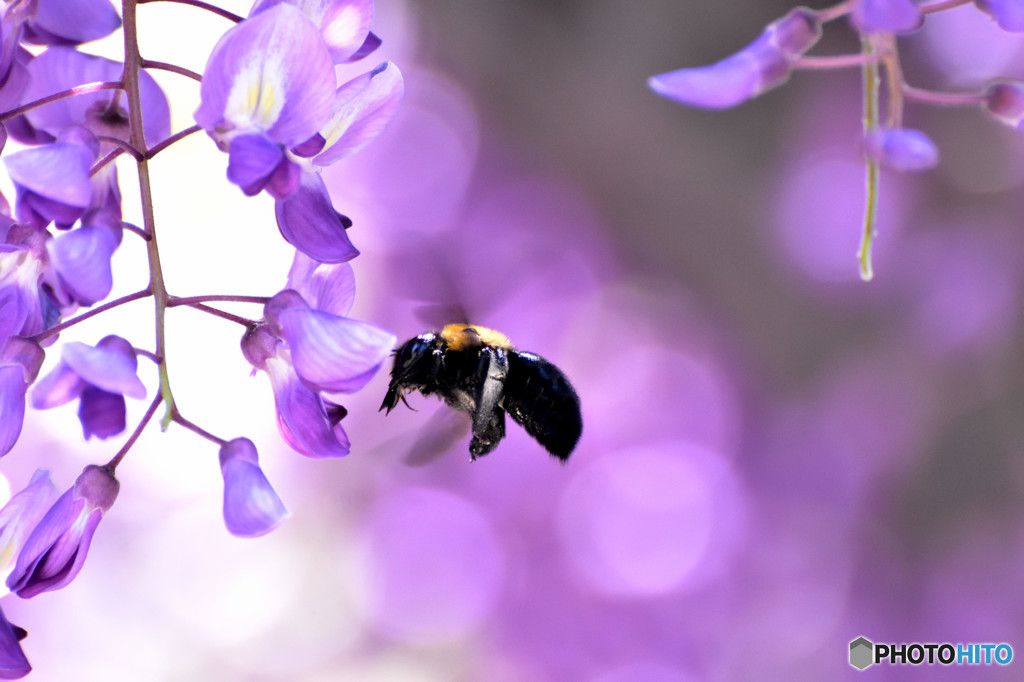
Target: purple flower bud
{"x":901,"y":149}
{"x":344,"y":24}
{"x":1009,"y":14}
{"x":100,"y":377}
{"x":56,"y":549}
{"x":20,"y":360}
{"x":251,"y":507}
{"x":22,"y":513}
{"x":13,"y":664}
{"x":1005,"y":101}
{"x":886,"y":16}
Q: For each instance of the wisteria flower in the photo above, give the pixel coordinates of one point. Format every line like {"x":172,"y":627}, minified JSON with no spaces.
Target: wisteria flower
{"x":56,"y":549}
{"x":81,"y":259}
{"x":21,"y":268}
{"x":100,"y":377}
{"x":71,"y":22}
{"x":310,"y":348}
{"x":1005,"y":101}
{"x":344,"y":24}
{"x":21,"y":514}
{"x":20,"y":360}
{"x":52,"y":181}
{"x":103,"y":112}
{"x":13,"y":664}
{"x":761,"y":66}
{"x":889,"y":16}
{"x":1009,"y":14}
{"x":901,"y":149}
{"x":251,"y":507}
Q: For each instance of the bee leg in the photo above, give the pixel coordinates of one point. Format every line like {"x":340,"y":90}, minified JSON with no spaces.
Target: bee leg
{"x":489,"y":416}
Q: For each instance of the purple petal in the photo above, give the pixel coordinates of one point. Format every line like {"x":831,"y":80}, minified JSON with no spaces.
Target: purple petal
{"x":308,"y":222}
{"x":251,"y":507}
{"x":727,"y":83}
{"x":369,"y":46}
{"x":794,"y":33}
{"x":285,"y":180}
{"x":24,"y":352}
{"x":258,"y":345}
{"x":21,"y":514}
{"x":888,"y":16}
{"x":56,"y":549}
{"x":901,"y":149}
{"x":12,"y":405}
{"x":1009,"y":14}
{"x":1005,"y":101}
{"x":60,"y":386}
{"x":362,"y":107}
{"x":111,"y":365}
{"x":105,"y":208}
{"x":81,"y":257}
{"x":103,"y":414}
{"x":302,"y":417}
{"x":330,"y":287}
{"x":60,"y":68}
{"x":344,"y":24}
{"x":270,"y":73}
{"x":58,"y":173}
{"x":62,"y":22}
{"x":332,"y":353}
{"x":252,"y":160}
{"x":13,"y":664}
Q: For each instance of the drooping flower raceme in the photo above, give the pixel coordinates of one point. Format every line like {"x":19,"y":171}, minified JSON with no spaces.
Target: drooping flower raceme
{"x":251,"y":507}
{"x":56,"y":549}
{"x":782,"y":47}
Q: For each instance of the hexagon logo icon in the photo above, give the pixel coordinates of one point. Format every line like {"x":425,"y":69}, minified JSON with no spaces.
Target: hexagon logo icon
{"x":861,"y":653}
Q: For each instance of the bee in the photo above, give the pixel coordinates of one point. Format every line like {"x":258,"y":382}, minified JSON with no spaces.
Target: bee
{"x":477,"y":370}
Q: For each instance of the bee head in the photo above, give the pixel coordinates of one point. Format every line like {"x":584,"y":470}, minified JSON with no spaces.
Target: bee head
{"x":414,"y":366}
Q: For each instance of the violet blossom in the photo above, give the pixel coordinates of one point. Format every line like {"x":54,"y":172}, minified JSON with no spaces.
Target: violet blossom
{"x":20,"y":360}
{"x":307,"y":346}
{"x":56,"y":549}
{"x":22,"y":513}
{"x":251,"y":507}
{"x":13,"y":664}
{"x":901,"y":149}
{"x":100,"y":377}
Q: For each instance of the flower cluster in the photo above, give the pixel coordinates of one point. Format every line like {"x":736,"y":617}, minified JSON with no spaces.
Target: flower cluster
{"x":887,"y":143}
{"x":270,"y":99}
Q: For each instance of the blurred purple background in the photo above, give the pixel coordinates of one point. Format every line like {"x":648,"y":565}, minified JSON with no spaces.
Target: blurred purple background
{"x":777,"y":458}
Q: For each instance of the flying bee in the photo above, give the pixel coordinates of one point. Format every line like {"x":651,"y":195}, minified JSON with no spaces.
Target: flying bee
{"x":478,"y":371}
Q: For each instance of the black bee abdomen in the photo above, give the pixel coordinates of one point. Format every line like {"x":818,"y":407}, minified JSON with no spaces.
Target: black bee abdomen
{"x":541,"y":399}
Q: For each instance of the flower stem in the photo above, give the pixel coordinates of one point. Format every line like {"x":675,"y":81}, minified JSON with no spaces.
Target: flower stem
{"x":173,"y":68}
{"x":245,"y":322}
{"x":178,"y":419}
{"x":177,"y":300}
{"x":83,"y":89}
{"x":203,"y":5}
{"x":942,"y":6}
{"x":112,"y":464}
{"x":56,"y":329}
{"x":180,"y":135}
{"x":132,"y":66}
{"x":871,"y":201}
{"x":841,"y":61}
{"x":943,"y":98}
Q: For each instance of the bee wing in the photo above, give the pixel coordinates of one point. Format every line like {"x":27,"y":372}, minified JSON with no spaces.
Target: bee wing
{"x":541,"y":399}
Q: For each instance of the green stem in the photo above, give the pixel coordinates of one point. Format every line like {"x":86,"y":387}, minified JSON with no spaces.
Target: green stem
{"x":871,"y":201}
{"x":132,"y":66}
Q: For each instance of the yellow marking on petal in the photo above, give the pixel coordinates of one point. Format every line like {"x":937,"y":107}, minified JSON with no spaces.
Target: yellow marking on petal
{"x":256,"y":97}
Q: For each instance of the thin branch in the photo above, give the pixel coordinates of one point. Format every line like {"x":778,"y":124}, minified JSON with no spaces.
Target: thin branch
{"x":173,"y":68}
{"x":148,"y":354}
{"x":941,"y":6}
{"x":196,"y":429}
{"x":245,"y":322}
{"x":121,"y":144}
{"x":46,"y":333}
{"x":202,"y":5}
{"x":136,"y":229}
{"x":98,"y":166}
{"x":945,"y":98}
{"x":85,"y":89}
{"x":112,"y":464}
{"x":841,"y":61}
{"x":180,"y":135}
{"x":218,"y":298}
